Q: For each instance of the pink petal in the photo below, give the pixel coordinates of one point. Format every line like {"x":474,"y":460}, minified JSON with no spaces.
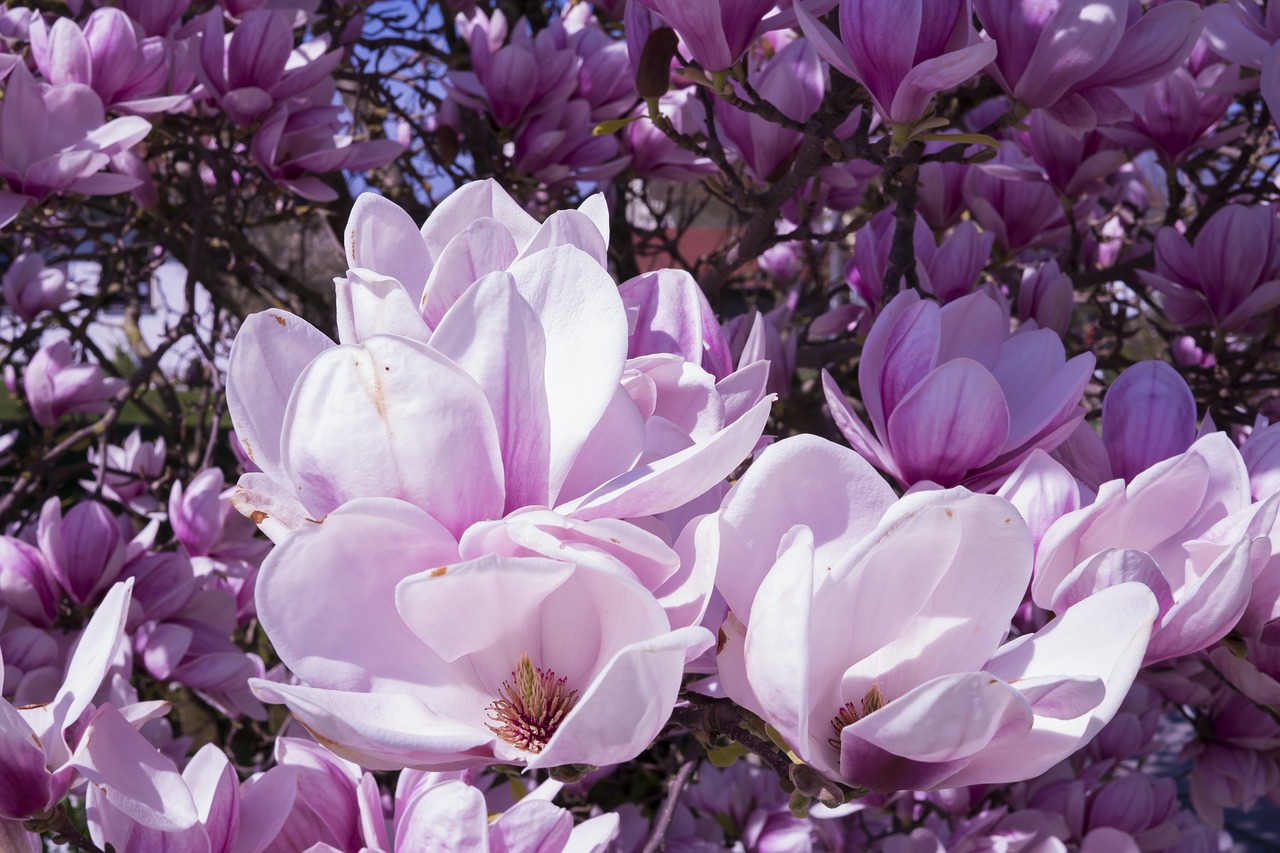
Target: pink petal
{"x":438,"y":451}
{"x":381,"y":237}
{"x":780,"y":635}
{"x":953,"y":422}
{"x":493,"y":334}
{"x":381,"y":731}
{"x":270,"y":352}
{"x":473,"y":201}
{"x":676,"y":479}
{"x":358,"y":556}
{"x":585,"y":329}
{"x":436,"y":604}
{"x":137,"y":779}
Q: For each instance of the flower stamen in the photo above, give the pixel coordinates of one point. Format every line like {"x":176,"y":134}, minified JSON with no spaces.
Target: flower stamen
{"x":530,"y":707}
{"x":849,"y":714}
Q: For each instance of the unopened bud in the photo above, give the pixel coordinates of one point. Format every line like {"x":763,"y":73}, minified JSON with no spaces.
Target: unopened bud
{"x":653,"y":77}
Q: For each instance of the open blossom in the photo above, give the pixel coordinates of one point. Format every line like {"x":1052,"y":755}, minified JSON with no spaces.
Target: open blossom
{"x":1229,"y":278}
{"x":57,"y":139}
{"x":953,"y":398}
{"x":498,"y":659}
{"x":128,"y":471}
{"x":1069,"y":57}
{"x":257,"y":66}
{"x":1184,"y":527}
{"x":128,"y":74}
{"x":903,"y":52}
{"x":532,"y":400}
{"x":869,"y":632}
{"x":42,"y":759}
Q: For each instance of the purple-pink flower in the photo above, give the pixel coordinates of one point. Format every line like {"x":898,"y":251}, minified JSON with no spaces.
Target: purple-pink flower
{"x":868,"y":632}
{"x":903,"y":52}
{"x":1230,"y":276}
{"x":1070,"y":56}
{"x":953,"y":398}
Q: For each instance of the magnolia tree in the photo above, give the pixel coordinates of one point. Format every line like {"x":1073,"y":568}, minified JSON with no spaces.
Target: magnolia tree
{"x":827,"y":425}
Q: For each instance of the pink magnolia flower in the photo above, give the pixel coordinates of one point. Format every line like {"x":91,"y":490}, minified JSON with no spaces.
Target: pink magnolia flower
{"x":129,"y":74}
{"x":31,"y":288}
{"x":257,"y":67}
{"x":550,"y":90}
{"x":872,"y":640}
{"x":532,"y":400}
{"x":795,"y":81}
{"x":57,"y":385}
{"x":1175,"y":115}
{"x":1069,"y":56}
{"x":293,"y":145}
{"x":1023,"y":213}
{"x":57,"y":139}
{"x":128,"y":471}
{"x":523,"y":660}
{"x":953,"y":398}
{"x":904,"y":53}
{"x":1229,"y":278}
{"x":40,"y":763}
{"x":653,"y":154}
{"x":85,"y":548}
{"x":947,"y":270}
{"x":1184,"y":527}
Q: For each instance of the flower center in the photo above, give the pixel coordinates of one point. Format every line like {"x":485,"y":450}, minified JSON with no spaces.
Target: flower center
{"x":850,"y":714}
{"x":530,"y":707}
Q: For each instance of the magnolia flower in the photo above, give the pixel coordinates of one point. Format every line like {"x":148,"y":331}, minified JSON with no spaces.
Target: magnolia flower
{"x":953,"y":398}
{"x":1069,"y":56}
{"x":57,"y":385}
{"x":257,"y":66}
{"x":57,"y":139}
{"x":86,"y":548}
{"x":525,"y":660}
{"x":904,"y":53}
{"x":872,"y":641}
{"x":531,"y":401}
{"x":948,"y":270}
{"x":1184,"y":527}
{"x":128,"y":74}
{"x":793,"y":79}
{"x":41,"y":764}
{"x":31,"y":288}
{"x":294,"y":145}
{"x":1229,"y":278}
{"x":128,"y":471}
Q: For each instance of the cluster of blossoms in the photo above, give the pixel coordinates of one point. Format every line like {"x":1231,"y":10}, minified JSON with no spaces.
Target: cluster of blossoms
{"x":63,"y":77}
{"x":934,"y":507}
